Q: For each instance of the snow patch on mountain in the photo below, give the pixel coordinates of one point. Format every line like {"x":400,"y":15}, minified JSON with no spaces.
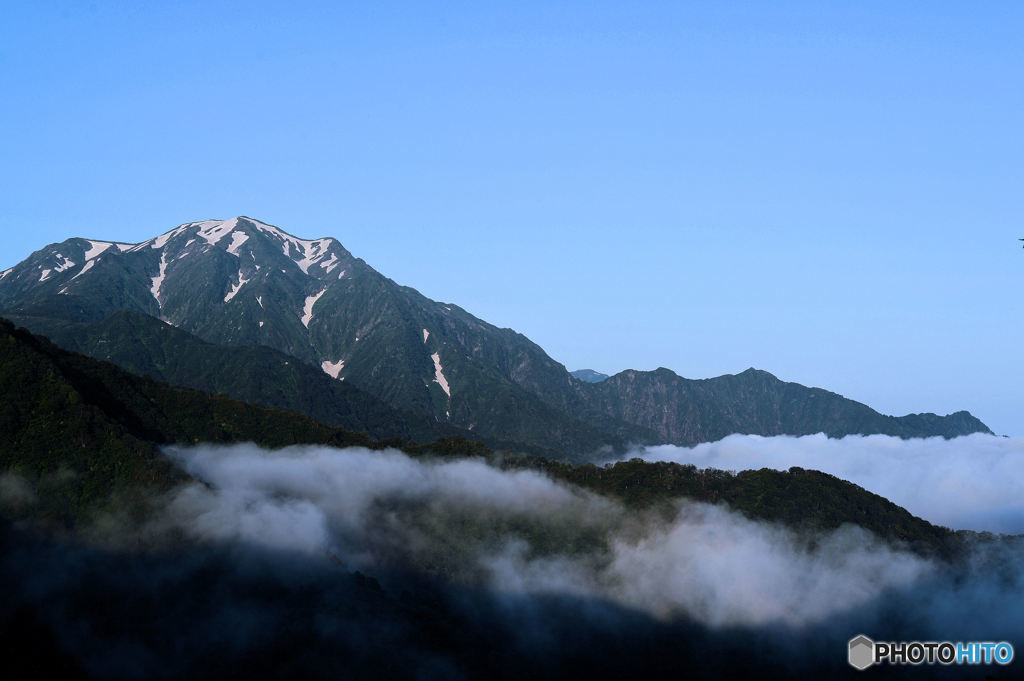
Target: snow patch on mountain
{"x":267,"y":229}
{"x":96,"y":248}
{"x":304,"y":252}
{"x":307,"y":309}
{"x":125,"y":247}
{"x":426,"y":335}
{"x":162,"y":240}
{"x":158,"y":280}
{"x":237,"y":287}
{"x":237,"y":239}
{"x":88,"y":266}
{"x":214,"y":231}
{"x":64,"y":263}
{"x":6,"y":272}
{"x":439,"y":375}
{"x":259,"y":299}
{"x":312,"y":251}
{"x":45,"y":275}
{"x":332,"y":369}
{"x":331,"y":263}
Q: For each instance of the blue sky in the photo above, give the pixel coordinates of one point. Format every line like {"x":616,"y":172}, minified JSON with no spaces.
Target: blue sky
{"x":828,"y":191}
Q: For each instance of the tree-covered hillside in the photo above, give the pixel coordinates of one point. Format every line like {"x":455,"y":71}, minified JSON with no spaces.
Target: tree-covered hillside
{"x":89,"y":430}
{"x":149,"y":347}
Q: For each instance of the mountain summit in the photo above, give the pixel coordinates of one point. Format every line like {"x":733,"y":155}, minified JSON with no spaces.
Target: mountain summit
{"x":243,"y":282}
{"x":232,"y":266}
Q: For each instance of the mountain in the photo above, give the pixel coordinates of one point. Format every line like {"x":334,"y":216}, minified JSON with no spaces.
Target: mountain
{"x":242,"y":283}
{"x":95,"y":429}
{"x":88,"y":429}
{"x":83,"y":431}
{"x":588,"y":375}
{"x":94,"y":580}
{"x":686,"y":411}
{"x":147,"y":346}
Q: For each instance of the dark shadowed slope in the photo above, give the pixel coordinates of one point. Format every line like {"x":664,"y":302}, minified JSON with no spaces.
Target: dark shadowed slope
{"x":143,"y":345}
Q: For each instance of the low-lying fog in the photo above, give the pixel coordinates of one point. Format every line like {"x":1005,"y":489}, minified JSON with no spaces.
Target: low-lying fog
{"x":974,"y":482}
{"x":533,"y":574}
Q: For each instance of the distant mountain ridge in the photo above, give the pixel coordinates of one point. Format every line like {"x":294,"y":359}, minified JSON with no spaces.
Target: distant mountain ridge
{"x":243,"y":283}
{"x":588,"y":375}
{"x":752,"y":402}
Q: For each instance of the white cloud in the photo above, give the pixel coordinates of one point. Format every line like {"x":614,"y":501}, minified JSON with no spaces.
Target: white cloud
{"x":974,"y":482}
{"x":521,"y":532}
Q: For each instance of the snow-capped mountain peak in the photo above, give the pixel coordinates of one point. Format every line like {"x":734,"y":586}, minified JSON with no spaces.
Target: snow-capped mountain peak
{"x":242,"y":281}
{"x":315,"y":258}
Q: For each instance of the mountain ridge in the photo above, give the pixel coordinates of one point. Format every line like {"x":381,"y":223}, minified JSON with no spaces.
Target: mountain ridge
{"x":242,"y":283}
{"x":588,"y":375}
{"x":790,"y":408}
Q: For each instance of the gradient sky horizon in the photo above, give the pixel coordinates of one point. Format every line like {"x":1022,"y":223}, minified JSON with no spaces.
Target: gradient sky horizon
{"x":827,"y":191}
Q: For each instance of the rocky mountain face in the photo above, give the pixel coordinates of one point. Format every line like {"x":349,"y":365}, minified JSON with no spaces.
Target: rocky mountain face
{"x":243,"y":283}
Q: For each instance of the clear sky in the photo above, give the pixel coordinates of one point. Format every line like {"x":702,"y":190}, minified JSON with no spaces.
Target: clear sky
{"x":831,"y":191}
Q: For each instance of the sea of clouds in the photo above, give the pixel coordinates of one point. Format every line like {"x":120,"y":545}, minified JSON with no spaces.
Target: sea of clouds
{"x":974,"y":482}
{"x":519,"y":532}
{"x":259,"y":550}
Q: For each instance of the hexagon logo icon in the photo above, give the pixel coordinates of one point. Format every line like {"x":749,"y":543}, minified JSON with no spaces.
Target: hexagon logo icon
{"x":862,"y":652}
